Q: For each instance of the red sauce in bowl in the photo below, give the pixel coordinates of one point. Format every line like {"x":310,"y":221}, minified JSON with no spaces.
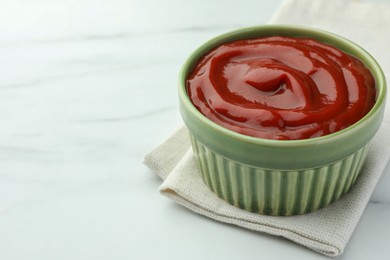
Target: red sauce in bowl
{"x":281,"y":88}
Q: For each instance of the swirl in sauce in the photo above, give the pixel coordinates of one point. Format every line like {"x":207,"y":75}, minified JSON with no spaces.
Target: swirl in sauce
{"x":281,"y":88}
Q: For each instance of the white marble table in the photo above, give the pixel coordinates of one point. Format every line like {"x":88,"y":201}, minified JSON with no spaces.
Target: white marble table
{"x":87,"y":88}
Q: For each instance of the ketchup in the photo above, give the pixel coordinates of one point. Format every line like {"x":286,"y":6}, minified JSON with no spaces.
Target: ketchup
{"x":281,"y":88}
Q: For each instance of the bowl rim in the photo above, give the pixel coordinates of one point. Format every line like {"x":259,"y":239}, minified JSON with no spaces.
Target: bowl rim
{"x":304,"y":31}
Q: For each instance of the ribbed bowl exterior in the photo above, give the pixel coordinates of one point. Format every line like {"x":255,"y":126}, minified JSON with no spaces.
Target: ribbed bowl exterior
{"x":280,"y":177}
{"x":277,"y":192}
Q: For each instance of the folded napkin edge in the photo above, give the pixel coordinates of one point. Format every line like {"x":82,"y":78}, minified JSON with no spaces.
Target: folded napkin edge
{"x":314,"y":244}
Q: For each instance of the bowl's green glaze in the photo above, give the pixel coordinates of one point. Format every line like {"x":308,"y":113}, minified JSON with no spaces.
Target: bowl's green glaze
{"x":280,"y":177}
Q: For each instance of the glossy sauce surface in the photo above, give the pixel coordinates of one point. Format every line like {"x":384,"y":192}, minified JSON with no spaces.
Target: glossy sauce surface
{"x":281,"y":88}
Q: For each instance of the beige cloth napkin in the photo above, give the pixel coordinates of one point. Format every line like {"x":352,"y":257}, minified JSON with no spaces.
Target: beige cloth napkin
{"x":328,"y":230}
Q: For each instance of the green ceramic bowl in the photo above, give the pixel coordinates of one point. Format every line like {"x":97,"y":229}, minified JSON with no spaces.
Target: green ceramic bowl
{"x":275,"y":177}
